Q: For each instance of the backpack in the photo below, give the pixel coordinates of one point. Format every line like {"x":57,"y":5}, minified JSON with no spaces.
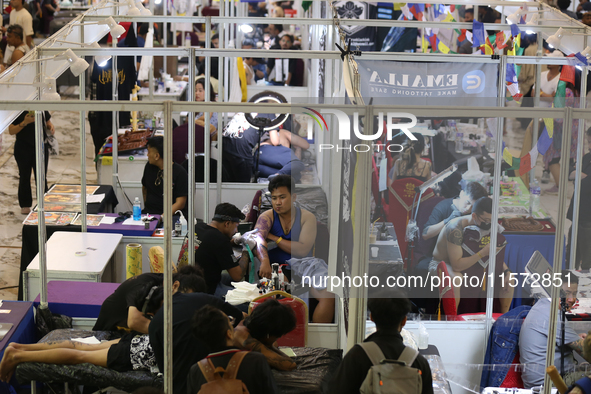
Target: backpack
{"x":228,"y":384}
{"x":391,"y":376}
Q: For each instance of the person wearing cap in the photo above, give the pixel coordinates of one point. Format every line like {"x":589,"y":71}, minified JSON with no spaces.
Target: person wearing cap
{"x":553,"y":154}
{"x":213,"y":242}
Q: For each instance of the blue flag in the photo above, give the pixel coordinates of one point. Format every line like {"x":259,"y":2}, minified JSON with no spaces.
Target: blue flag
{"x":544,"y":142}
{"x":511,"y":76}
{"x":478,"y":34}
{"x":515,"y":30}
{"x":581,"y":58}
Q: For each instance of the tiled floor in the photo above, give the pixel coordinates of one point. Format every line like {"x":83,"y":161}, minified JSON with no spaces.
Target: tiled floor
{"x":66,"y":168}
{"x":63,"y":168}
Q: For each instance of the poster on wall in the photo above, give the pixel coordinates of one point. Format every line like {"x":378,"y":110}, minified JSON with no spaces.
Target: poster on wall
{"x":361,"y":36}
{"x":424,"y":83}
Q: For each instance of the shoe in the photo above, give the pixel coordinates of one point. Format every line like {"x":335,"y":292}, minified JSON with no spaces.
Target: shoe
{"x":545,"y":177}
{"x":552,"y":190}
{"x":25,"y":211}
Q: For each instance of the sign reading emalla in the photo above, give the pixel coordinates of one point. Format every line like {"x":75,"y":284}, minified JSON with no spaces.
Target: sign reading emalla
{"x":428,"y":81}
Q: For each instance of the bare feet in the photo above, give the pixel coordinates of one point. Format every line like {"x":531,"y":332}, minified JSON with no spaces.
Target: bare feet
{"x":8,"y":363}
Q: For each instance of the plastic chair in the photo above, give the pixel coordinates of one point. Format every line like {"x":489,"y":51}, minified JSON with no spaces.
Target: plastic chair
{"x":299,"y":336}
{"x":401,"y":206}
{"x":447,"y":299}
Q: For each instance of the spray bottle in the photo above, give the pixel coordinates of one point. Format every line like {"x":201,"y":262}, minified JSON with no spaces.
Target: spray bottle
{"x":183,"y":224}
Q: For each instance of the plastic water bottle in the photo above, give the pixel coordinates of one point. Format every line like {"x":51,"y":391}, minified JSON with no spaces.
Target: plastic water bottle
{"x":459,"y":142}
{"x":188,"y":40}
{"x":534,"y":197}
{"x":137,"y":209}
{"x":423,"y":336}
{"x":178,"y":228}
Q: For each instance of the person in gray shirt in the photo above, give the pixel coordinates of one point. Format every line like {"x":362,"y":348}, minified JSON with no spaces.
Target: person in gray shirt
{"x":533,"y":338}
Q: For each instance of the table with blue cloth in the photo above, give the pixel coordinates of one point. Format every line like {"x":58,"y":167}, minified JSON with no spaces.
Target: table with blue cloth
{"x":20,"y":315}
{"x":521,"y":245}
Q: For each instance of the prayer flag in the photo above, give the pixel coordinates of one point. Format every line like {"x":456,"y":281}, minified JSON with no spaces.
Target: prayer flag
{"x":511,"y":77}
{"x":469,"y":36}
{"x":500,"y":40}
{"x":452,"y":7}
{"x":525,"y":165}
{"x":424,"y":44}
{"x":515,"y":30}
{"x":544,"y":142}
{"x":449,"y":18}
{"x":515,"y":165}
{"x":533,"y":155}
{"x":519,"y":51}
{"x":442,"y":47}
{"x":580,"y":58}
{"x":517,"y":41}
{"x":478,"y":34}
{"x":433,"y":40}
{"x":507,"y":157}
{"x":462,"y":36}
{"x":488,"y":48}
{"x":549,"y":122}
{"x":406,"y":12}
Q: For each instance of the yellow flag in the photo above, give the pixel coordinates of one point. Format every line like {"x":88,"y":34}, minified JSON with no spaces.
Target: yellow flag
{"x":488,"y":50}
{"x":517,"y":41}
{"x":442,"y":47}
{"x":507,"y":157}
{"x":549,"y":122}
{"x":424,"y":45}
{"x":448,"y":18}
{"x":511,"y":52}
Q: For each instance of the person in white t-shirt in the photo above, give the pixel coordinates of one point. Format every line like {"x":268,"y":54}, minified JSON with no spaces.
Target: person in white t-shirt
{"x":14,"y":38}
{"x":549,"y":81}
{"x":20,"y":16}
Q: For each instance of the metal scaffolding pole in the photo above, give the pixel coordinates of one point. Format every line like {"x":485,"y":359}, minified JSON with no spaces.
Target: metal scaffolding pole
{"x":558,"y":243}
{"x":41,"y":181}
{"x":83,"y":208}
{"x":191,"y":172}
{"x":167,"y":305}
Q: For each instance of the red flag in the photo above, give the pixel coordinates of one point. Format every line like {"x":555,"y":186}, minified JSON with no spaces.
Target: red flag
{"x":525,"y":165}
{"x":462,"y":36}
{"x":452,"y":8}
{"x":433,"y":40}
{"x":500,"y":40}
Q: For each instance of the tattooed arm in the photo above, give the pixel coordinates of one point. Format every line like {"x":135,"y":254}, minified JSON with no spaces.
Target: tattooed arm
{"x":454,"y":235}
{"x":264,"y":224}
{"x":577,"y":346}
{"x":276,"y":359}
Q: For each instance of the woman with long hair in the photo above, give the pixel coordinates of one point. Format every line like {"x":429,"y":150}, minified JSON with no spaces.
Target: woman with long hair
{"x":410,"y":164}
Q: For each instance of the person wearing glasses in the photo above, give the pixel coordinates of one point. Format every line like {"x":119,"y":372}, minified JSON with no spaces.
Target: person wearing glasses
{"x":463,"y":245}
{"x":533,"y":338}
{"x":153,"y":182}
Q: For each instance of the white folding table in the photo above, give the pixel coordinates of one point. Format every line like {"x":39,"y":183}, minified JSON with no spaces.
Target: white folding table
{"x":72,"y":256}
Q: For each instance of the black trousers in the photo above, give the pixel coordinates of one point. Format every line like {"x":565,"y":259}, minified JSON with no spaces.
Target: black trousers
{"x":101,"y":126}
{"x":24,"y":155}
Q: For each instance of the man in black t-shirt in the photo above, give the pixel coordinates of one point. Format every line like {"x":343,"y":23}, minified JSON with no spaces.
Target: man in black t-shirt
{"x":119,"y":310}
{"x":389,"y":315}
{"x":186,"y":349}
{"x":213,"y":326}
{"x":153,"y":182}
{"x":214,"y":253}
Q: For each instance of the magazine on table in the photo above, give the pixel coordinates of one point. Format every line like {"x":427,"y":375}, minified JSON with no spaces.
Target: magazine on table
{"x":71,"y":189}
{"x":91,"y":220}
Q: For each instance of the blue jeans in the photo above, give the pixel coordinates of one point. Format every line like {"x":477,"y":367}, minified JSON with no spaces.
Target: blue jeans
{"x":279,"y":160}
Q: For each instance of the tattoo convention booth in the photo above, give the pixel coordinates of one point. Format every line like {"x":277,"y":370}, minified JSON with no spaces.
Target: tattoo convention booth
{"x":408,"y":130}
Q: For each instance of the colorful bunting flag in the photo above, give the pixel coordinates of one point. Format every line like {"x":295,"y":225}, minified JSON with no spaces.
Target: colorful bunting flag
{"x":406,"y":12}
{"x":500,"y":40}
{"x":533,"y":155}
{"x":515,"y":164}
{"x":462,"y":36}
{"x":544,"y":142}
{"x":452,"y":7}
{"x":442,"y":47}
{"x":559,"y":97}
{"x":515,"y":30}
{"x":511,"y":77}
{"x":449,"y":18}
{"x":507,"y":156}
{"x":424,"y":44}
{"x":469,"y":36}
{"x":478,"y":34}
{"x":433,"y":40}
{"x":580,"y":58}
{"x":525,"y":165}
{"x":549,"y":122}
{"x":488,"y":48}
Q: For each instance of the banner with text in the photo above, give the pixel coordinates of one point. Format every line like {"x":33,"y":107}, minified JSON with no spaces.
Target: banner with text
{"x":429,"y":83}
